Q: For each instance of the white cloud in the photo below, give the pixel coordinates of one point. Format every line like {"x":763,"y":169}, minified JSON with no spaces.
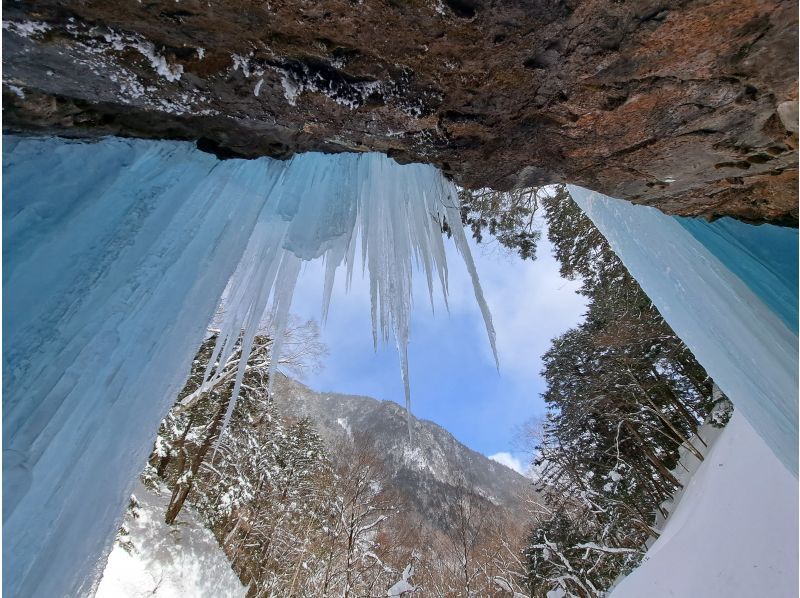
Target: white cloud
{"x":509,"y":460}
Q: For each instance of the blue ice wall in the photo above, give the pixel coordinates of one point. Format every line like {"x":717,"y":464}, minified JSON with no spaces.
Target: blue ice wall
{"x":115,"y":255}
{"x":729,"y":290}
{"x":764,"y":257}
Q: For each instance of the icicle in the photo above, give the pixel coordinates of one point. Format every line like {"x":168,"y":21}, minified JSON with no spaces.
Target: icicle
{"x":318,"y":207}
{"x":454,"y":216}
{"x":402,"y":350}
{"x":290,"y":269}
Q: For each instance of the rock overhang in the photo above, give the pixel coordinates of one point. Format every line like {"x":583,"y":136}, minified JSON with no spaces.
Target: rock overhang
{"x":686,"y":106}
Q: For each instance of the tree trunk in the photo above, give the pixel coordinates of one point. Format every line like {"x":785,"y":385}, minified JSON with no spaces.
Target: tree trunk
{"x":181,"y":490}
{"x":680,"y":436}
{"x":665,"y":473}
{"x":688,"y":416}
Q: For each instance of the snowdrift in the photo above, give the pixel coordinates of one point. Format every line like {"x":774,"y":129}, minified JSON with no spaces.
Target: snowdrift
{"x":734,"y":532}
{"x":167,"y":561}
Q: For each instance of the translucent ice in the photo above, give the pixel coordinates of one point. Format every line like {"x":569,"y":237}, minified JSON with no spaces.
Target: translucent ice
{"x":322,"y":206}
{"x":729,"y":290}
{"x":764,"y":257}
{"x":115,"y":256}
{"x":112,"y":265}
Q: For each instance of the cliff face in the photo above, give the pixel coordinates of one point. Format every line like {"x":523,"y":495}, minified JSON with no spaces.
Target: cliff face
{"x":690,"y":105}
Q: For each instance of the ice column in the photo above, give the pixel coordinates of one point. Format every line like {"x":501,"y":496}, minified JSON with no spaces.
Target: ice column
{"x":115,"y":255}
{"x":733,"y":313}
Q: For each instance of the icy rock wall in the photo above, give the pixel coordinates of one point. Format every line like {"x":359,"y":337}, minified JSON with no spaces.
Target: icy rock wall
{"x":115,"y":257}
{"x":729,"y":290}
{"x":763,"y":257}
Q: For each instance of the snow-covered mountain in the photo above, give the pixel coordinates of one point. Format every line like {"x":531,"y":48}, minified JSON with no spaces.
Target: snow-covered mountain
{"x":427,"y":468}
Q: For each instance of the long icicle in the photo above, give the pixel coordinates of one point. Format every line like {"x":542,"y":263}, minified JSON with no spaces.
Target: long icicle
{"x":317,"y":207}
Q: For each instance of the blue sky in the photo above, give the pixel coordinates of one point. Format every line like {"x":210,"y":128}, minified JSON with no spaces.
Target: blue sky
{"x":454,"y":381}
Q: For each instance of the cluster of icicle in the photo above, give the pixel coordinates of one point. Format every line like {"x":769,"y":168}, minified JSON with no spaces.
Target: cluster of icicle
{"x":115,"y":255}
{"x":326,"y":206}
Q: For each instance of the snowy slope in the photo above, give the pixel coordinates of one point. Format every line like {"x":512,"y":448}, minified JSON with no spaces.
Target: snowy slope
{"x":426,"y":468}
{"x":167,"y":561}
{"x":734,"y":532}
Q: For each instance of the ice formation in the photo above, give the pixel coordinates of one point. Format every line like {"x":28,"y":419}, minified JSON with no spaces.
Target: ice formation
{"x":729,"y":291}
{"x":115,"y":256}
{"x":321,"y":206}
{"x":763,"y":257}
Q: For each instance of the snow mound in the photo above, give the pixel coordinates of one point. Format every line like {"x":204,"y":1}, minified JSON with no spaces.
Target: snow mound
{"x":167,"y":561}
{"x":734,"y":532}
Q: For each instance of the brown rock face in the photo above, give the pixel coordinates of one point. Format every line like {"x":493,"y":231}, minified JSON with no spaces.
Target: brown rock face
{"x":690,"y":106}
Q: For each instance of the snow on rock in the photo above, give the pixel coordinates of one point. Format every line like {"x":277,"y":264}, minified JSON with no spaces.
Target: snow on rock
{"x":739,"y":336}
{"x":118,"y":41}
{"x":116,"y":254}
{"x":413,"y":457}
{"x":733,"y":534}
{"x":20,"y":93}
{"x":99,"y":52}
{"x":299,"y":78}
{"x":403,"y":586}
{"x":166,"y":561}
{"x":241,"y":63}
{"x":26,"y":28}
{"x":342,"y":421}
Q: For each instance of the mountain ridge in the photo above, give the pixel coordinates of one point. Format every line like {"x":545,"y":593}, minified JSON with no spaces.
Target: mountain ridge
{"x":429,"y":468}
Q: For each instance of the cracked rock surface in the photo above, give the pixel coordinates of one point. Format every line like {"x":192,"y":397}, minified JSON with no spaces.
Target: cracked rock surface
{"x":690,"y":106}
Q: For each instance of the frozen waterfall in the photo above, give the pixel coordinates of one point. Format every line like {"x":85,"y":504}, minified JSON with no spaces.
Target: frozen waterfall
{"x":116,"y":254}
{"x":729,"y":290}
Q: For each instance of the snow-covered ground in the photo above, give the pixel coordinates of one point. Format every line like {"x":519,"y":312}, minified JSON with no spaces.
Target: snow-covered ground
{"x":176,"y":561}
{"x":734,"y":532}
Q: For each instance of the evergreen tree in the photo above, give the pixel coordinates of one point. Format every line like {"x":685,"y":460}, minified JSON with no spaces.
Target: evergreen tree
{"x":623,"y":394}
{"x":509,"y":217}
